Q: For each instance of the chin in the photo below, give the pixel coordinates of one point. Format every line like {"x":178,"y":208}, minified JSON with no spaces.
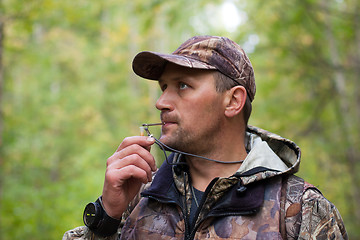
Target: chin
{"x":165,"y":140}
{"x":169,"y":141}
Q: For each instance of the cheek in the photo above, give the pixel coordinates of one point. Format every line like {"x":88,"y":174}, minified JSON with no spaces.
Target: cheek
{"x":213,"y":105}
{"x":205,"y":109}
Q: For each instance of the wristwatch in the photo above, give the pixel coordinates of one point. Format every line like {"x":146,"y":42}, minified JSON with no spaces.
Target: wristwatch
{"x":98,"y":221}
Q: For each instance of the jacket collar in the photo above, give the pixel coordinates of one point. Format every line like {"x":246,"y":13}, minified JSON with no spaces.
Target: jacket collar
{"x":162,"y":182}
{"x":243,"y":201}
{"x":274,"y":154}
{"x":269,"y":155}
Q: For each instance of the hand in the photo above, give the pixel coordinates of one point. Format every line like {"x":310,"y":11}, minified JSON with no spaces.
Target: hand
{"x":127,"y":169}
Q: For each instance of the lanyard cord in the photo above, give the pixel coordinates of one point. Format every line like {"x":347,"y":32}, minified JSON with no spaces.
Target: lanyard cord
{"x":164,"y":147}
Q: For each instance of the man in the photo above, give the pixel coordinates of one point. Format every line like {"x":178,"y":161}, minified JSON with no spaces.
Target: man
{"x":230,"y":180}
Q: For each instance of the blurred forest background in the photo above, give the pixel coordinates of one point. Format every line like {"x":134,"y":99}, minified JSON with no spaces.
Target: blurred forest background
{"x":68,"y":95}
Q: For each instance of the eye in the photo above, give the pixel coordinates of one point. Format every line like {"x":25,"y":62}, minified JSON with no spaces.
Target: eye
{"x":183,"y":85}
{"x":163,"y":87}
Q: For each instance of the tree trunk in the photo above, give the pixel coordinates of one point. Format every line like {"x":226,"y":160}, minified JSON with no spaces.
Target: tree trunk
{"x":348,"y":125}
{"x":1,"y":104}
{"x":1,"y":75}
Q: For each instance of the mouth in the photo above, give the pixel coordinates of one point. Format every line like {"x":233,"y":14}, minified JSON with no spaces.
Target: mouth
{"x":166,"y":120}
{"x":168,"y":123}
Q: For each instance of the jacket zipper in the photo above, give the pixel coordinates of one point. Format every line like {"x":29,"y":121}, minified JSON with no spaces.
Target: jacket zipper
{"x":194,"y":225}
{"x":186,"y":221}
{"x":190,"y":235}
{"x":219,"y":215}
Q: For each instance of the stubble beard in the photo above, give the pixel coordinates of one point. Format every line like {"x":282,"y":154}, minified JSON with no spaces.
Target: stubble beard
{"x":200,"y":143}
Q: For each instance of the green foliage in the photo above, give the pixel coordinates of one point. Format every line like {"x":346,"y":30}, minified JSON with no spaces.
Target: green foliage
{"x":307,"y":77}
{"x":70,"y":97}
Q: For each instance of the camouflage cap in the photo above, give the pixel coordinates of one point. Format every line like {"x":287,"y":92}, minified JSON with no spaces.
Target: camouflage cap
{"x":202,"y":52}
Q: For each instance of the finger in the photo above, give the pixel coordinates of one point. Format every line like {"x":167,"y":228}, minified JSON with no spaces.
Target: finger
{"x":143,"y":141}
{"x":134,"y":149}
{"x":117,"y":177}
{"x":133,"y":159}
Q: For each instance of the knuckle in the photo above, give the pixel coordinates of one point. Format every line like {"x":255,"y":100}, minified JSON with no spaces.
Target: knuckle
{"x":134,"y":157}
{"x":112,"y":159}
{"x":135,"y":148}
{"x":110,"y":176}
{"x":127,"y":139}
{"x":108,"y":161}
{"x":123,"y":143}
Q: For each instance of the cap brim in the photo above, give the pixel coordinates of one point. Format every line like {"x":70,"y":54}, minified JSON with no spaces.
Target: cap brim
{"x":150,"y":65}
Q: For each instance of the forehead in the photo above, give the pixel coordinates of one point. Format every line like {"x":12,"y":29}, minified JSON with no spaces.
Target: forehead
{"x":175,"y":72}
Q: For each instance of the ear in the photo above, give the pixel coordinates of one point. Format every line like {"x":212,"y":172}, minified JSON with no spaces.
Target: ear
{"x":235,"y":101}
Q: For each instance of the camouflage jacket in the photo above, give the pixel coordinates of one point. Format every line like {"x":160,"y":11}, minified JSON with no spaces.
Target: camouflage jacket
{"x":262,"y":200}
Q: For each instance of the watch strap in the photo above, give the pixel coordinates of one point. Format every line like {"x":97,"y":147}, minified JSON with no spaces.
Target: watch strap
{"x":107,"y":225}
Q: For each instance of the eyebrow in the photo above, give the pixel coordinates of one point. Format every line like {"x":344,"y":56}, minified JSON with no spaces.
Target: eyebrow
{"x":175,"y":79}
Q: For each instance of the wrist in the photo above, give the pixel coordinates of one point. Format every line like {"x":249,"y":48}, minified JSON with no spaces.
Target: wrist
{"x":113,"y":214}
{"x":98,"y":221}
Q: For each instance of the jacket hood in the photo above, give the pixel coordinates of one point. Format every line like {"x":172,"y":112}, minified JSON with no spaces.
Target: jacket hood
{"x":268,"y":155}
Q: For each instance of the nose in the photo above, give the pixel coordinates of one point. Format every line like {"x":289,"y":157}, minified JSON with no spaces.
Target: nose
{"x":165,"y":101}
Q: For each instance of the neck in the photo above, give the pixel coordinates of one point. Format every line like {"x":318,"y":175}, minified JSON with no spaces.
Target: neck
{"x":203,"y":171}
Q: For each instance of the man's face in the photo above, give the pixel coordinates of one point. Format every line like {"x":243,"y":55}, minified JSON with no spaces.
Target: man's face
{"x":191,"y":109}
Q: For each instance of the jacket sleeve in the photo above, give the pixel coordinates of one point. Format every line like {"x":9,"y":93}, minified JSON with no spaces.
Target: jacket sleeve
{"x":84,"y":233}
{"x":320,"y":218}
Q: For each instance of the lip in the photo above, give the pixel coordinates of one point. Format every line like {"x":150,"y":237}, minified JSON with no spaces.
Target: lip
{"x":168,"y":123}
{"x":168,"y":119}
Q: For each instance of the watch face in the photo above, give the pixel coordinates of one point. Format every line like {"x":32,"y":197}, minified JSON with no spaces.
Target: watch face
{"x":90,"y":214}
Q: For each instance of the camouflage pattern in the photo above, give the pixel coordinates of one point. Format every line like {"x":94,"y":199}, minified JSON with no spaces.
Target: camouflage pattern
{"x":320,"y":218}
{"x":82,"y":233}
{"x":201,"y":52}
{"x":309,"y":215}
{"x":155,"y":218}
{"x":290,"y":207}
